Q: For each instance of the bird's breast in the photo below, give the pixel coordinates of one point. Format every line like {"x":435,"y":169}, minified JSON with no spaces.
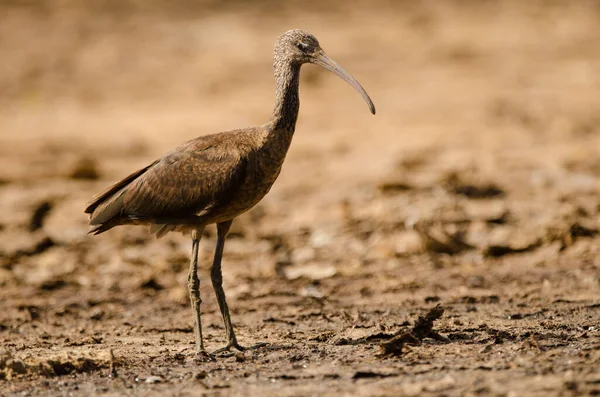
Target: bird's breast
{"x":263,"y":166}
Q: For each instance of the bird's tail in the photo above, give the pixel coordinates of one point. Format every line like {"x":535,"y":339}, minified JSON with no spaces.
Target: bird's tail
{"x":107,"y":207}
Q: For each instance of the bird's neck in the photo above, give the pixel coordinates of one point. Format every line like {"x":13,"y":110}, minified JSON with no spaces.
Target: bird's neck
{"x":287,"y":103}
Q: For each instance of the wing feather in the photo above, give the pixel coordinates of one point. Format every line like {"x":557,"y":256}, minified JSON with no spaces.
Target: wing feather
{"x":198,"y":176}
{"x":185,"y":182}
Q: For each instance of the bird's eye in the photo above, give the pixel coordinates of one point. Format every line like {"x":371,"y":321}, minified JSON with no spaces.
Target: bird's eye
{"x":302,"y":46}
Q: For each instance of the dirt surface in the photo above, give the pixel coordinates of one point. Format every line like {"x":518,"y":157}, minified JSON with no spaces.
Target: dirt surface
{"x":475,"y":187}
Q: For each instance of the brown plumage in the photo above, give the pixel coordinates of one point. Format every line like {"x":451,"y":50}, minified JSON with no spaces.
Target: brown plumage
{"x":214,"y":178}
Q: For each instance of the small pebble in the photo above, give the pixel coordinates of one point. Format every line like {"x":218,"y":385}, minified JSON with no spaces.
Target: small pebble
{"x":240,"y":357}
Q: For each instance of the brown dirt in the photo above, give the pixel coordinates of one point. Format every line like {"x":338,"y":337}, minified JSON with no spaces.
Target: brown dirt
{"x":476,"y":186}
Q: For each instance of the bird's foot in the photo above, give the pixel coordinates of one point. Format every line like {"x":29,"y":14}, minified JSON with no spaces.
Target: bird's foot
{"x":234,"y":345}
{"x":231,"y":345}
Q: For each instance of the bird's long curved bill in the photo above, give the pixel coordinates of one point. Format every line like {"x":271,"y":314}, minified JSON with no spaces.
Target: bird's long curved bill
{"x":329,"y":64}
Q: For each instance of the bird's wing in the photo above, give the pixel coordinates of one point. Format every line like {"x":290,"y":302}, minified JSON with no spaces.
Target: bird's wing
{"x":185,"y":182}
{"x":193,"y":177}
{"x":109,"y":193}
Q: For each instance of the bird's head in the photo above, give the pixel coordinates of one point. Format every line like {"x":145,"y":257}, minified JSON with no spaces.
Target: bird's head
{"x":298,"y":46}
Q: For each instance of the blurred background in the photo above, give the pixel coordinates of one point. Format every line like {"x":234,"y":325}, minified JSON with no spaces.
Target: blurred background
{"x":118,"y":83}
{"x":488,"y":118}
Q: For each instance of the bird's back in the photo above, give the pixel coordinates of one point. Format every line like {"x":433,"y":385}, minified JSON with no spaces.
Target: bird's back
{"x":200,"y":178}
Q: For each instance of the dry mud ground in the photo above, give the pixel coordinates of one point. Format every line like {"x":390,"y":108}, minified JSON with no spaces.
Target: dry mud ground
{"x":476,"y":187}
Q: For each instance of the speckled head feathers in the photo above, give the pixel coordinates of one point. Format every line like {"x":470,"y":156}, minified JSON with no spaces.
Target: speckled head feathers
{"x":297,"y":45}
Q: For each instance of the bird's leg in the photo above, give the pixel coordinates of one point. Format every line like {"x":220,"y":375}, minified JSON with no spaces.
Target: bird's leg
{"x":216,"y":277}
{"x":194,"y":291}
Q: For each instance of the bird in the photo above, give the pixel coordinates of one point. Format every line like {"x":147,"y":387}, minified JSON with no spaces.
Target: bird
{"x":214,"y":178}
